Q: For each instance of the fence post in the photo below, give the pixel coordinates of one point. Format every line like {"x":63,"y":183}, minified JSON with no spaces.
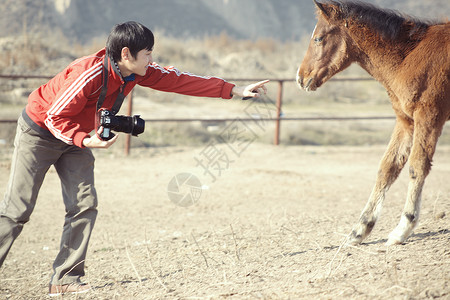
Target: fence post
{"x":279,"y":104}
{"x":129,"y":112}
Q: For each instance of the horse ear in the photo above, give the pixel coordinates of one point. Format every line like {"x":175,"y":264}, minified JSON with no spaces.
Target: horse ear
{"x":330,"y":10}
{"x":320,"y":6}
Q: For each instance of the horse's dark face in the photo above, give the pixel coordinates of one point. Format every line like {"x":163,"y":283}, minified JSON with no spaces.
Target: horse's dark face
{"x":327,"y":54}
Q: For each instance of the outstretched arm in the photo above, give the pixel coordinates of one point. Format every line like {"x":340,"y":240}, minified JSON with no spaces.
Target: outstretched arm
{"x":170,"y":79}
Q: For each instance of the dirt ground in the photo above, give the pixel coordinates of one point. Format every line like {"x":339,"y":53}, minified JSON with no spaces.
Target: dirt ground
{"x":269,"y":227}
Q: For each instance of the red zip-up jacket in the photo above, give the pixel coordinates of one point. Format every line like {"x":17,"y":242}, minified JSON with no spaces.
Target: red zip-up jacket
{"x":66,"y":105}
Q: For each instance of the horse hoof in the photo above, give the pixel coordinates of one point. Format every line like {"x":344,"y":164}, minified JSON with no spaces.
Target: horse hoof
{"x":394,"y":239}
{"x":391,"y":242}
{"x":354,"y":239}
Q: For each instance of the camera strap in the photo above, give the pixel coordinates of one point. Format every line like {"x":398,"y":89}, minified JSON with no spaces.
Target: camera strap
{"x":119,"y":100}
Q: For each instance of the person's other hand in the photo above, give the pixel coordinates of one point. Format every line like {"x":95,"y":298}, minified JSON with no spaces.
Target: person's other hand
{"x":96,"y":142}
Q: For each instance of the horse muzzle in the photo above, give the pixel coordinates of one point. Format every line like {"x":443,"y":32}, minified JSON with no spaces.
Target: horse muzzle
{"x":306,"y":83}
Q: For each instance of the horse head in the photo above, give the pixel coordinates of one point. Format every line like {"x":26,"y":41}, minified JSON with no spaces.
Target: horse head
{"x":329,"y":50}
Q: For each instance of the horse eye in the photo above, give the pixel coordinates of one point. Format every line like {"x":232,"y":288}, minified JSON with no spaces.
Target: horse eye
{"x":318,"y":39}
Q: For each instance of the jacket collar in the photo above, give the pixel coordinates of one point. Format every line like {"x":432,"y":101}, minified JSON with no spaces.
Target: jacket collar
{"x":117,"y":72}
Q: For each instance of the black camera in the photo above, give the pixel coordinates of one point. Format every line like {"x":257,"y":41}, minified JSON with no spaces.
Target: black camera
{"x":134,"y":125}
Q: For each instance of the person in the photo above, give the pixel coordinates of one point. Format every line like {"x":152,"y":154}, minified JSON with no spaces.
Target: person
{"x":55,"y":129}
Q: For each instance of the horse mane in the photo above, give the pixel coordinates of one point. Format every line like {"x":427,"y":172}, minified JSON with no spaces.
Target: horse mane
{"x":387,"y":22}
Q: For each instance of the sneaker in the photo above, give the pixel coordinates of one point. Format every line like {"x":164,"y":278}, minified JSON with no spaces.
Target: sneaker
{"x":72,"y":288}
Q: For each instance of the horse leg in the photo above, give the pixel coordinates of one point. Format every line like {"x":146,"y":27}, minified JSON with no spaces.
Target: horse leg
{"x":392,"y":163}
{"x":426,"y":135}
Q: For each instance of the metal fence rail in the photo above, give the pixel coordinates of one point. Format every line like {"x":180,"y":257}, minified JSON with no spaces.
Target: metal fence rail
{"x":277,"y":120}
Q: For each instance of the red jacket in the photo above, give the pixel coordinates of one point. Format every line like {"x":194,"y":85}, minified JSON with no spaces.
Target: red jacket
{"x":66,"y":105}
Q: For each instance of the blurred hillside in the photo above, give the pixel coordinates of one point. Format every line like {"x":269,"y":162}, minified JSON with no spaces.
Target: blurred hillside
{"x":225,"y":38}
{"x":82,"y":20}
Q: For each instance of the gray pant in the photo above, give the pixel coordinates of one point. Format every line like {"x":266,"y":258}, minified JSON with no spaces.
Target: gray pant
{"x":34,"y":153}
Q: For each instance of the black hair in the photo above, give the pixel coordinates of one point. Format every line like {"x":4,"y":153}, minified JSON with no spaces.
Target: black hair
{"x":130,"y":34}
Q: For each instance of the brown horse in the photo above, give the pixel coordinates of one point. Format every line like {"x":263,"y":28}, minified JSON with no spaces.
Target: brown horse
{"x":411,"y":59}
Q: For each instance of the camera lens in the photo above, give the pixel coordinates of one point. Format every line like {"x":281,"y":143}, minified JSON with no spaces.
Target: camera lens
{"x":139,"y":125}
{"x":134,"y":125}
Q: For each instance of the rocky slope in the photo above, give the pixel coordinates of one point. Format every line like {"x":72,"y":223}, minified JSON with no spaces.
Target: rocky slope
{"x":82,"y":20}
